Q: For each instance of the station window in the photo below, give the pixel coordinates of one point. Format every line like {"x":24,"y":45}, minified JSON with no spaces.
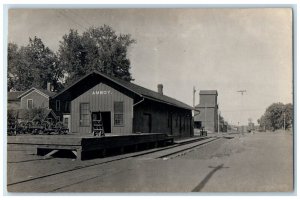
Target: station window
{"x":67,"y":106}
{"x":118,"y":113}
{"x":29,"y":103}
{"x":84,"y":114}
{"x":57,"y":105}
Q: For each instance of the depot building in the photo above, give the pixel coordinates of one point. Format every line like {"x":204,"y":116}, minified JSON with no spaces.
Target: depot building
{"x":123,"y":107}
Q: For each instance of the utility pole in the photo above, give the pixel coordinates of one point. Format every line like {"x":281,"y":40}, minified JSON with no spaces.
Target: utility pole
{"x":242,"y":93}
{"x":194,"y":91}
{"x":205,"y":116}
{"x":284,"y":121}
{"x":218,"y":121}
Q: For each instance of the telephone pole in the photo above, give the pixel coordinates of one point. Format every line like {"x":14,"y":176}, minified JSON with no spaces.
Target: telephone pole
{"x":242,"y":94}
{"x":194,"y":91}
{"x":205,"y":116}
{"x":284,"y":121}
{"x":218,"y":121}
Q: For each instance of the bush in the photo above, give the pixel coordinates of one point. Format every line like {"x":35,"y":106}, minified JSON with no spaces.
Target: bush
{"x":12,"y":114}
{"x":37,"y":114}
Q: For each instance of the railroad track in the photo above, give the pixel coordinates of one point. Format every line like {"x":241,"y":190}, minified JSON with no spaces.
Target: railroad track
{"x":169,"y":151}
{"x":179,"y":152}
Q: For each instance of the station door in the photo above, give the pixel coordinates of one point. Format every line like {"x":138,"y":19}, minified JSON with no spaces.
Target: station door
{"x":106,"y":120}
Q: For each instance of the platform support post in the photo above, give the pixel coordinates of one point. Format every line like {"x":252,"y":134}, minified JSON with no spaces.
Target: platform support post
{"x":51,"y":153}
{"x":78,"y":153}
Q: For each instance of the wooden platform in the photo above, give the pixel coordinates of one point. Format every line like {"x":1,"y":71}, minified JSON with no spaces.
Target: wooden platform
{"x":48,"y":145}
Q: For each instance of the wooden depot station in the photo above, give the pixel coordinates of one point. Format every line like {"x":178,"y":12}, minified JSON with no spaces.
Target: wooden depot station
{"x":129,"y":116}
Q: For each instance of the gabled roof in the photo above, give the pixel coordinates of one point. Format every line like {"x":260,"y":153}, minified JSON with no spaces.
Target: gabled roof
{"x":47,"y":92}
{"x":13,"y":96}
{"x":44,"y":92}
{"x":141,"y":91}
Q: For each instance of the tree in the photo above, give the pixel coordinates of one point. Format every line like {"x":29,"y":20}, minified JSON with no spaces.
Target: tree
{"x":288,"y":115}
{"x":275,"y":116}
{"x":222,"y":124}
{"x":43,"y":63}
{"x":18,"y":76}
{"x":98,"y":49}
{"x":32,"y":66}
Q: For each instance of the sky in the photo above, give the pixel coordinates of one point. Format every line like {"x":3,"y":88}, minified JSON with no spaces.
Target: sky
{"x":227,"y":50}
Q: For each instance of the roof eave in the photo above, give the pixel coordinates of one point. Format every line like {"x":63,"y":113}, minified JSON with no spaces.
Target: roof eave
{"x":30,"y":90}
{"x":107,"y":77}
{"x":161,"y":101}
{"x":95,"y":72}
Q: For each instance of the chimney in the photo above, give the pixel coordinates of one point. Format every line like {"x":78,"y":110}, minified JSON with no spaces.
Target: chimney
{"x":160,"y":88}
{"x":49,"y":86}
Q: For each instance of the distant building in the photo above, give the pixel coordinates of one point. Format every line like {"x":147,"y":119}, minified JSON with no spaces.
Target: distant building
{"x":251,"y":126}
{"x":242,"y":129}
{"x":208,"y":108}
{"x":20,"y":103}
{"x":36,"y":98}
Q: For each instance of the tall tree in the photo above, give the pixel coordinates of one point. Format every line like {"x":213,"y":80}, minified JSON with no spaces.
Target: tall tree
{"x":20,"y":76}
{"x":13,"y":58}
{"x":32,"y":66}
{"x":288,"y":115}
{"x":277,"y":116}
{"x":98,"y":49}
{"x":44,"y":63}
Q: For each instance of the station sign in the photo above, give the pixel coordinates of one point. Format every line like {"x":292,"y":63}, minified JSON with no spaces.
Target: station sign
{"x":101,"y":92}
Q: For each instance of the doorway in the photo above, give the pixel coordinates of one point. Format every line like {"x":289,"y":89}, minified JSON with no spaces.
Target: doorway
{"x":105,"y":117}
{"x":147,"y":123}
{"x":67,"y":121}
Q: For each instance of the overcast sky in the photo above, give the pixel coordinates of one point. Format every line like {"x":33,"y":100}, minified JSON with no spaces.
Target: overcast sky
{"x":212,"y":49}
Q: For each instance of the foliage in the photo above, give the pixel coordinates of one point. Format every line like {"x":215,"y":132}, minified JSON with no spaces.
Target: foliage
{"x":98,"y":49}
{"x":12,"y":114}
{"x":35,"y":114}
{"x":223,"y":125}
{"x":276,"y":115}
{"x":29,"y":115}
{"x":32,"y":66}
